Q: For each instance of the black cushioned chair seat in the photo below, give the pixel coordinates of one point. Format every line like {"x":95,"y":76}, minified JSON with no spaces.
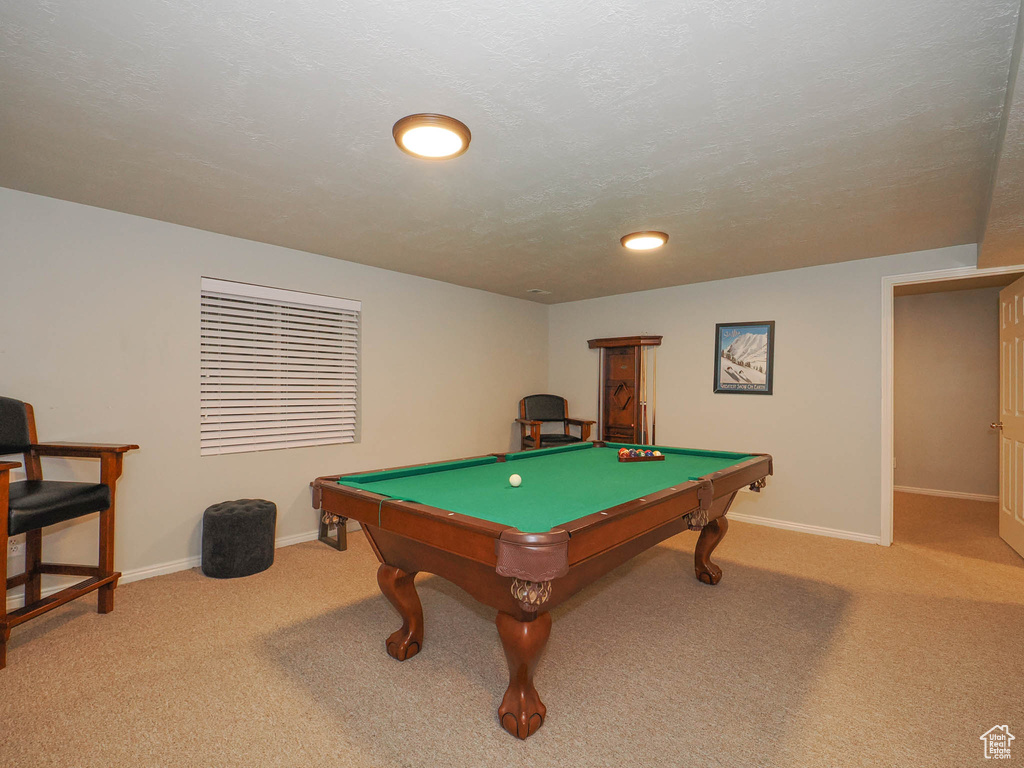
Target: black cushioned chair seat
{"x":38,"y":503}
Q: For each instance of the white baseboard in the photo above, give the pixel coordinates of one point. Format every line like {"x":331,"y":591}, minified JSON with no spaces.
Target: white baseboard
{"x":148,"y":572}
{"x":298,"y":538}
{"x":817,"y":530}
{"x":162,"y":569}
{"x":946,"y":494}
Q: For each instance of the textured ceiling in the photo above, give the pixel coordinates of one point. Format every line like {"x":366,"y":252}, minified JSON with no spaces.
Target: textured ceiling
{"x":760,"y":135}
{"x":1002,"y":242}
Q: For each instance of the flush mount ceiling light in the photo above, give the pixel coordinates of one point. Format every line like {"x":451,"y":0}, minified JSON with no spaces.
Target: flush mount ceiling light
{"x":432,"y":137}
{"x":644,"y":241}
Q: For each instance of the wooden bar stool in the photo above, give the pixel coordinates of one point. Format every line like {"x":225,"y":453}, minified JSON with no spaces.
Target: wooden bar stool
{"x":34,"y":503}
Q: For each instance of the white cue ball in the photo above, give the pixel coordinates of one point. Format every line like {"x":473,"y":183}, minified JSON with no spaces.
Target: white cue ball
{"x":515,"y":480}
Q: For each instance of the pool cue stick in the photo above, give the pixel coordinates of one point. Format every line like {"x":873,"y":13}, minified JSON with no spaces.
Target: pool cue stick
{"x":654,"y":409}
{"x":600,"y":393}
{"x":646,"y":428}
{"x":643,"y":395}
{"x":647,"y":412}
{"x":638,"y":434}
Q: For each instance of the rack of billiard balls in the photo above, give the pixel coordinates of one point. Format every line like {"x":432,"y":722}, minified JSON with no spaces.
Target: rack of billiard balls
{"x":640,"y":454}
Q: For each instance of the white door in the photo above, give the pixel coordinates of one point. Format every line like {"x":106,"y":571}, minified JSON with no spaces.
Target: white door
{"x":1011,"y":415}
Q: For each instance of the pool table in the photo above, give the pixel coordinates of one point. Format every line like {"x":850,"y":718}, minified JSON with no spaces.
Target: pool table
{"x":578,"y":513}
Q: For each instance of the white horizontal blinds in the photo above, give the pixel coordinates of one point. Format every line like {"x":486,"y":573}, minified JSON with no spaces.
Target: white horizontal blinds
{"x":278,"y":369}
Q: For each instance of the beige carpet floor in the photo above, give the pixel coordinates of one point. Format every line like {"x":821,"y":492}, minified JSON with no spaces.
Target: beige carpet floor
{"x":811,"y":652}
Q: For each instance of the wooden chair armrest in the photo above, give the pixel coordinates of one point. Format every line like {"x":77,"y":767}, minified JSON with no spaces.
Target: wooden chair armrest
{"x":89,"y":450}
{"x":580,"y":422}
{"x":529,"y":422}
{"x":109,"y":454}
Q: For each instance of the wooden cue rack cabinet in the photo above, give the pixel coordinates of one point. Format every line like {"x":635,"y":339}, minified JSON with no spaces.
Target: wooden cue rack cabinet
{"x":622,"y":395}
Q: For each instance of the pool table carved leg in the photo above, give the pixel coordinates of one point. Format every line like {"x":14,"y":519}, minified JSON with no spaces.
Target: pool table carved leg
{"x":399,"y":589}
{"x":522,"y":712}
{"x":710,"y":537}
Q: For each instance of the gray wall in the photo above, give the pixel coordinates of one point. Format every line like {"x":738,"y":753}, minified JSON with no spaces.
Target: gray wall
{"x":822,"y":425}
{"x":100,"y":312}
{"x":946,"y":391}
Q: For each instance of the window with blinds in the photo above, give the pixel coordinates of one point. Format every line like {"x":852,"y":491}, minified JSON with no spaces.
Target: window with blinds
{"x":278,"y":369}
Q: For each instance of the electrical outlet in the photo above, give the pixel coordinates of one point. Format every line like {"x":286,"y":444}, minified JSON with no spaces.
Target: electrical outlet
{"x":15,"y":547}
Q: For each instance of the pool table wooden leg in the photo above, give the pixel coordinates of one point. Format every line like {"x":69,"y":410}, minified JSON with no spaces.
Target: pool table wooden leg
{"x":399,"y":589}
{"x":710,"y":536}
{"x":522,"y":712}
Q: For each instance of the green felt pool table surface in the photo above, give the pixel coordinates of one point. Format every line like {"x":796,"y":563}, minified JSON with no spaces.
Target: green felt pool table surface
{"x":558,"y":484}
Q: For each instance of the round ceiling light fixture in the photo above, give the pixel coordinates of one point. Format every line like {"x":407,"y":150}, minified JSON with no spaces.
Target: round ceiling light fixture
{"x":644,"y":241}
{"x":431,"y":137}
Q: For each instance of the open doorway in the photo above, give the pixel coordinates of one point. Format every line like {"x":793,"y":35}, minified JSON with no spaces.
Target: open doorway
{"x":945,"y":395}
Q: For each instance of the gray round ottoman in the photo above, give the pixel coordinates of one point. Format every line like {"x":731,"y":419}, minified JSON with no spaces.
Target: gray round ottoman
{"x":238,"y":538}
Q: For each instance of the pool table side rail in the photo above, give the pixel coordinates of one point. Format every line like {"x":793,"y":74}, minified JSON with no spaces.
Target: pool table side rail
{"x":498,"y":457}
{"x":672,"y":450}
{"x":594,"y":533}
{"x":473,"y":538}
{"x":451,"y":531}
{"x":748,"y":473}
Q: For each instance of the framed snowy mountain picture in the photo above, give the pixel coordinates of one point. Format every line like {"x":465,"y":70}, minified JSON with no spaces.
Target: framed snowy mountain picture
{"x":744,"y":358}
